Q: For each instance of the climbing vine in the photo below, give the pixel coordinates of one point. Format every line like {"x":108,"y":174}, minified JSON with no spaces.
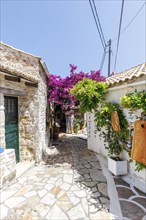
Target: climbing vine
{"x":135,"y":101}
{"x":116,"y":139}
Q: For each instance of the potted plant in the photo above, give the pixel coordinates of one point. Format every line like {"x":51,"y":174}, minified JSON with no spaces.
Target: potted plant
{"x":115,"y":135}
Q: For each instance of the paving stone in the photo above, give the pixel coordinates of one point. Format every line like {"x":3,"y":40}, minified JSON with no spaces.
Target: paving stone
{"x":56,"y":214}
{"x":42,"y":192}
{"x":74,"y":200}
{"x":61,"y":193}
{"x":93,"y":201}
{"x":84,"y":171}
{"x":97,"y":175}
{"x":140,"y":192}
{"x":48,"y":199}
{"x":33,"y":201}
{"x":22,"y":180}
{"x":96,"y":165}
{"x":102,"y":187}
{"x":105,"y":202}
{"x":141,"y":201}
{"x":86,"y":176}
{"x":87,"y":165}
{"x":119,"y":181}
{"x":76,"y":213}
{"x":65,"y":205}
{"x":68,"y":178}
{"x":6,"y":194}
{"x":30,"y":194}
{"x":80,"y":194}
{"x":74,"y":188}
{"x":90,"y":184}
{"x":55,"y":190}
{"x":48,"y":186}
{"x":59,"y":182}
{"x":85,"y":205}
{"x":3,"y":211}
{"x":65,"y":186}
{"x":94,"y":189}
{"x":124,"y":192}
{"x":14,"y":201}
{"x":101,"y":215}
{"x":95,"y":195}
{"x":43,"y":209}
{"x":92,"y":209}
{"x":131,"y":210}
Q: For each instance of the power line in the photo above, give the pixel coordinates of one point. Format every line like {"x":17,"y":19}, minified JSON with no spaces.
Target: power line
{"x":97,"y":25}
{"x":131,"y":20}
{"x":99,"y":22}
{"x":119,"y":34}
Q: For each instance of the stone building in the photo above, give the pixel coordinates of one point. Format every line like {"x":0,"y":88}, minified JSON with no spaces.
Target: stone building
{"x":23,"y":104}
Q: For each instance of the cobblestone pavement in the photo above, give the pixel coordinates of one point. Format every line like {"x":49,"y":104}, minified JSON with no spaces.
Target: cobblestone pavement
{"x":132,"y":200}
{"x":70,"y":185}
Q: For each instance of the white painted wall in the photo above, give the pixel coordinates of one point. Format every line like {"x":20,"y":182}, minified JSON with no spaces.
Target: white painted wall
{"x":96,"y":143}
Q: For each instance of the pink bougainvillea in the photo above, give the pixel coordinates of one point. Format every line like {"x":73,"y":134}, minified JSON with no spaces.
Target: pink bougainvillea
{"x":59,"y":88}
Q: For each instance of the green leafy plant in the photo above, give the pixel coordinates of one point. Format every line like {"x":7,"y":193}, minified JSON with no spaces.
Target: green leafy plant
{"x":116,"y":140}
{"x":134,"y":101}
{"x":139,"y":166}
{"x":78,"y":122}
{"x":89,"y":93}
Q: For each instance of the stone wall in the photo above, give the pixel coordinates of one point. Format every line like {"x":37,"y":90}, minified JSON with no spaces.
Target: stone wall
{"x":8,"y":166}
{"x":2,"y":122}
{"x":42,"y":136}
{"x":33,"y":134}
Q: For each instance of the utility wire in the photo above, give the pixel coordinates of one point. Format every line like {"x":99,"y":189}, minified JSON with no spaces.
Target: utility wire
{"x":131,"y":20}
{"x":100,"y":35}
{"x":119,"y":34}
{"x":99,"y":22}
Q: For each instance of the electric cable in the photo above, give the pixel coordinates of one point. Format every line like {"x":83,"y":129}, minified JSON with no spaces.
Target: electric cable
{"x":131,"y":20}
{"x":119,"y":34}
{"x":99,"y":22}
{"x":100,"y":35}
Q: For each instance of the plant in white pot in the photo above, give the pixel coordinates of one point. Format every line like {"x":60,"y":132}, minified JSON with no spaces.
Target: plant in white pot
{"x":115,"y":136}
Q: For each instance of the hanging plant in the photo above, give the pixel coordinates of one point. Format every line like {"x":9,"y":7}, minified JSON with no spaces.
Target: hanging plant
{"x":134,"y":101}
{"x":116,"y":139}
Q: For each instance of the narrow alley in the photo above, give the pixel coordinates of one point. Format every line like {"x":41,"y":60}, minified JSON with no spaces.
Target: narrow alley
{"x":71,"y":184}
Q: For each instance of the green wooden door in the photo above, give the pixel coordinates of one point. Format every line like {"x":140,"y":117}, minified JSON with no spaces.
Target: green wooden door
{"x":11,"y":124}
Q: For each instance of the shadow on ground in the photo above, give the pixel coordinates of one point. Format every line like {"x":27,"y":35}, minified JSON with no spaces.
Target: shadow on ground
{"x":72,"y":152}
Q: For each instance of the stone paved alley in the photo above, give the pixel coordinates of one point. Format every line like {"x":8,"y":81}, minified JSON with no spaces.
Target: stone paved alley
{"x":69,"y":185}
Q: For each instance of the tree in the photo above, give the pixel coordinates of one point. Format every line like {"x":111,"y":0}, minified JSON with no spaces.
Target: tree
{"x":59,"y":88}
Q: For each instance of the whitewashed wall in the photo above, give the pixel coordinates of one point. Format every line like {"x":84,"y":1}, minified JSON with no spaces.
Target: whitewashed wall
{"x":96,"y":143}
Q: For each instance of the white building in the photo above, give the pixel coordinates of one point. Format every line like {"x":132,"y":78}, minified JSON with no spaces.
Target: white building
{"x":119,"y":85}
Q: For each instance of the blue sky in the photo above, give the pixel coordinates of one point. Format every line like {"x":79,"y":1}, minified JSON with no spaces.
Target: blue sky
{"x":64,"y":32}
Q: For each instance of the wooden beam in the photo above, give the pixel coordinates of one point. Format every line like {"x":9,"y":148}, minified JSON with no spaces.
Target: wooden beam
{"x":31,"y":84}
{"x":12,"y":78}
{"x":13,"y":92}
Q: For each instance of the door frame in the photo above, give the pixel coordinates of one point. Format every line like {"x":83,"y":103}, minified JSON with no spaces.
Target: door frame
{"x":18,"y":149}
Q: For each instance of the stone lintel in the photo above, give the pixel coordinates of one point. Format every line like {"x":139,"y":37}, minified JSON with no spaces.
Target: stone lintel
{"x":12,"y":92}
